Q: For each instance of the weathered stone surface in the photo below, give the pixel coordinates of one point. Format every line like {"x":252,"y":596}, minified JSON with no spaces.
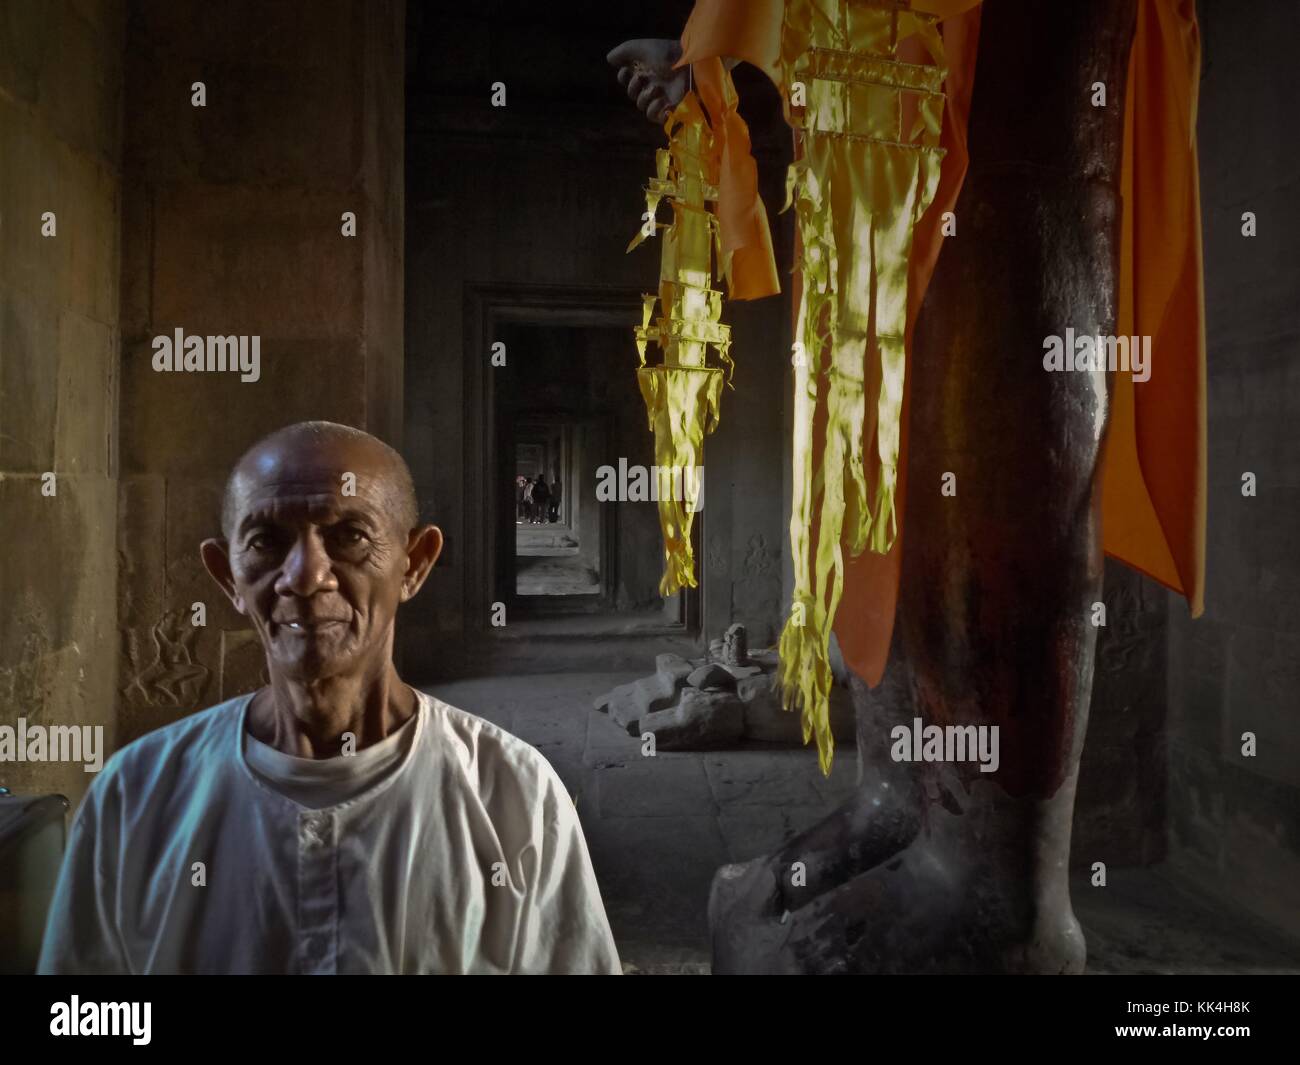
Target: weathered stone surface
{"x":28,"y":384}
{"x":674,"y":666}
{"x":267,"y":261}
{"x":701,"y":720}
{"x":628,"y":703}
{"x":735,"y":645}
{"x":669,"y":700}
{"x":764,"y":718}
{"x":60,"y":115}
{"x":663,"y":786}
{"x":84,"y":422}
{"x":766,"y":777}
{"x":768,"y":722}
{"x":711,"y":675}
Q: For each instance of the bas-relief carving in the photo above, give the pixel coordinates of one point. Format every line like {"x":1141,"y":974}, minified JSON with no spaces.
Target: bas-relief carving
{"x":717,"y":557}
{"x":1134,"y":624}
{"x":166,"y":673}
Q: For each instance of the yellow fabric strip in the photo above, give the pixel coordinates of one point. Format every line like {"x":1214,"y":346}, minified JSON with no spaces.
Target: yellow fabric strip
{"x":867,"y":167}
{"x":682,"y":404}
{"x":683,"y":394}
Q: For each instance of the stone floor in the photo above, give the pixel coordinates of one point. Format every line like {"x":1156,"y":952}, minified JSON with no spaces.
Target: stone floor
{"x":557,"y":574}
{"x":547,"y":562}
{"x":658,"y":827}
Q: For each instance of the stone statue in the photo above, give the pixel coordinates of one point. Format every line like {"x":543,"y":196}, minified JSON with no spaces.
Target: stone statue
{"x":937,"y":866}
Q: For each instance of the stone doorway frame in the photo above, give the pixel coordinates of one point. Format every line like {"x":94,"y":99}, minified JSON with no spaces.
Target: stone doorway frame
{"x":535,"y":305}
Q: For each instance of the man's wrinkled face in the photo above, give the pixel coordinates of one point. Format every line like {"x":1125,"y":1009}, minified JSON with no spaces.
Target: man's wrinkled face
{"x":320,"y":574}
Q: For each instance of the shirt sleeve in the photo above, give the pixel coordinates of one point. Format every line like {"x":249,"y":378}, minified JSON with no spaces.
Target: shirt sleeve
{"x":81,"y":933}
{"x":565,"y":929}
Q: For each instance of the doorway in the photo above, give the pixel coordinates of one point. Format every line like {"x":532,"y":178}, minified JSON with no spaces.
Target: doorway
{"x":561,"y":404}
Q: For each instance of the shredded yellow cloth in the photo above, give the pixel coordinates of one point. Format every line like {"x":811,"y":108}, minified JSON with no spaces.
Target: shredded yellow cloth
{"x":683,"y":393}
{"x":866,"y":168}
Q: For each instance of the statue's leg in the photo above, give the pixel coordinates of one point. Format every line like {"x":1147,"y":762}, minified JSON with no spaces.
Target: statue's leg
{"x":881,"y":817}
{"x":998,"y":581}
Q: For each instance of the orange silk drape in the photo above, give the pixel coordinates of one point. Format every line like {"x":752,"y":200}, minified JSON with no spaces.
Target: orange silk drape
{"x":1153,"y":476}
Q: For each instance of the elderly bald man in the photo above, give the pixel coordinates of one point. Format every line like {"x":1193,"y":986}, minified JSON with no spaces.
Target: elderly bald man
{"x":344,"y":822}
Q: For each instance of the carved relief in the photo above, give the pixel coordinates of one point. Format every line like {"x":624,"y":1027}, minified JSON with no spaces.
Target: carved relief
{"x":1132,"y":627}
{"x":759,"y":561}
{"x":171,"y":677}
{"x":717,"y":557}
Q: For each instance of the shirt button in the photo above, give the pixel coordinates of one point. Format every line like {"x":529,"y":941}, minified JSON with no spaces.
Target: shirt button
{"x":315,"y":830}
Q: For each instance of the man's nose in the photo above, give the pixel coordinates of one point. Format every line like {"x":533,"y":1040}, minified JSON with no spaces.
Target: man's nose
{"x":307,"y":568}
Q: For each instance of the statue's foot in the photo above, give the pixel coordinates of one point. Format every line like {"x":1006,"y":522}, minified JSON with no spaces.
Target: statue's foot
{"x":876,"y":822}
{"x":960,"y":897}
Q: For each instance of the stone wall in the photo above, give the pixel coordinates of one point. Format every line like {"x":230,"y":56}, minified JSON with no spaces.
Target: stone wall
{"x":60,"y":152}
{"x":233,"y":226}
{"x":1235,"y":819}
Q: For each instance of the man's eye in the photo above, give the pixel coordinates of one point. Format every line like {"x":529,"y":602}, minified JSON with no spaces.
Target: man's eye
{"x":260,"y":542}
{"x":350,"y":537}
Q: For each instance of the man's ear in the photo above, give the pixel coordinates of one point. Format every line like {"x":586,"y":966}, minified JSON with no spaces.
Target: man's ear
{"x":216,"y":560}
{"x":423,"y":547}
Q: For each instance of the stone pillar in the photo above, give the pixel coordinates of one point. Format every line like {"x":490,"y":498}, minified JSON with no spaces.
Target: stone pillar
{"x":60,"y":152}
{"x":234,"y":225}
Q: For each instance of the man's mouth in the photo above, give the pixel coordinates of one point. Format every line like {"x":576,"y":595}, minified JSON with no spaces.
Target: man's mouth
{"x":308,"y":626}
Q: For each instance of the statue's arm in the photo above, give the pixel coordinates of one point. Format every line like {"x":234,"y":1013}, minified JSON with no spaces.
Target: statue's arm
{"x":645,"y":69}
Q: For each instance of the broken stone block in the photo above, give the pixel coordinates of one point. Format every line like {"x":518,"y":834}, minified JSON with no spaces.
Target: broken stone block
{"x":740,"y":672}
{"x":711,"y":675}
{"x":767,"y":722}
{"x":629,"y":703}
{"x":700,"y":721}
{"x":674,"y":666}
{"x":764,"y":719}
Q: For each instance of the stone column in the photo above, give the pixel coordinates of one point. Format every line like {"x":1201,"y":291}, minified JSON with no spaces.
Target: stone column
{"x":236,"y":224}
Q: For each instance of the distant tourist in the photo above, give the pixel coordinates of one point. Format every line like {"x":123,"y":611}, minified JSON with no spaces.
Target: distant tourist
{"x":541,"y":499}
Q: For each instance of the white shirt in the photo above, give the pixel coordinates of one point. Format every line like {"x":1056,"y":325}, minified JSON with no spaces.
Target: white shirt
{"x":320,"y":782}
{"x":463,"y":855}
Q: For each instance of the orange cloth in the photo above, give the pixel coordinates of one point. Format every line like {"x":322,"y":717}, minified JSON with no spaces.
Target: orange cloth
{"x":1153,"y":480}
{"x":1153,"y":474}
{"x":743,"y":232}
